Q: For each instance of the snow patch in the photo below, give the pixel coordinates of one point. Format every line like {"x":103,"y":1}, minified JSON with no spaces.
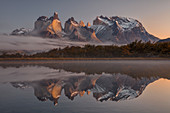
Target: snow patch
{"x":129,"y":24}
{"x":124,"y":22}
{"x":98,"y":28}
{"x":106,"y":21}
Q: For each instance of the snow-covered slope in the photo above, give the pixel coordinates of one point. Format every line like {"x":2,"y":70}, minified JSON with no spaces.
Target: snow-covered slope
{"x":120,"y":30}
{"x":123,"y":22}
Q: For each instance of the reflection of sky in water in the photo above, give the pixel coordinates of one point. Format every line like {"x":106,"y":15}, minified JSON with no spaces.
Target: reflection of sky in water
{"x":154,"y":98}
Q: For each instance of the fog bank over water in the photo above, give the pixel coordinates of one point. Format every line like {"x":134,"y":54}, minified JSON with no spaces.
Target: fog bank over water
{"x":31,"y":45}
{"x":34,"y":43}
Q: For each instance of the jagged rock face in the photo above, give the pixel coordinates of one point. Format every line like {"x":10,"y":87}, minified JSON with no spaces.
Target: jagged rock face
{"x":120,"y":30}
{"x":48,"y":27}
{"x":70,"y":25}
{"x":84,"y":34}
{"x":75,"y":35}
{"x":55,"y":26}
{"x":88,"y":24}
{"x":20,"y":32}
{"x":99,"y":21}
{"x":79,"y":32}
{"x":81,"y":23}
{"x":42,"y":23}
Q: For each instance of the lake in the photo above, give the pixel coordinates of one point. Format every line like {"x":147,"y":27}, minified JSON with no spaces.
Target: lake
{"x":89,"y":86}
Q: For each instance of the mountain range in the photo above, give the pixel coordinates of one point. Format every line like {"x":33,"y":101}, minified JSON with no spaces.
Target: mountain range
{"x":115,"y":30}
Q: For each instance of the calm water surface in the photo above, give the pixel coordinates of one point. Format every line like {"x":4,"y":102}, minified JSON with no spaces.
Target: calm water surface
{"x":136,"y":86}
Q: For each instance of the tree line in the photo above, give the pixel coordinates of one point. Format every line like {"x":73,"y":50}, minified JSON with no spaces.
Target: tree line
{"x":134,"y":49}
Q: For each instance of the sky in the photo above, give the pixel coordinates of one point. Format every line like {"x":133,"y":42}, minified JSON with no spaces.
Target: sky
{"x":153,"y":14}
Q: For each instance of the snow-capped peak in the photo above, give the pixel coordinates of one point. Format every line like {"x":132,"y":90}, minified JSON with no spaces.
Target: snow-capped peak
{"x":123,"y":22}
{"x":126,"y":23}
{"x":21,"y":31}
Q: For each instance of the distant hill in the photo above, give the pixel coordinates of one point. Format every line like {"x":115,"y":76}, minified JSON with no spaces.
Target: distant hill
{"x":165,"y":40}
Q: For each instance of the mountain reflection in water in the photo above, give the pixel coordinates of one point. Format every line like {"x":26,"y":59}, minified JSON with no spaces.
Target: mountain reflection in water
{"x":105,"y":80}
{"x":114,"y":87}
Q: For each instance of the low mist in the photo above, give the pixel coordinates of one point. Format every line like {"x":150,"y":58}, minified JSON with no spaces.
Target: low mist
{"x":36,"y":44}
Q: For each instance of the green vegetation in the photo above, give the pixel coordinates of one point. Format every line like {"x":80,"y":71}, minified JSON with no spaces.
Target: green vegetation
{"x":135,"y":49}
